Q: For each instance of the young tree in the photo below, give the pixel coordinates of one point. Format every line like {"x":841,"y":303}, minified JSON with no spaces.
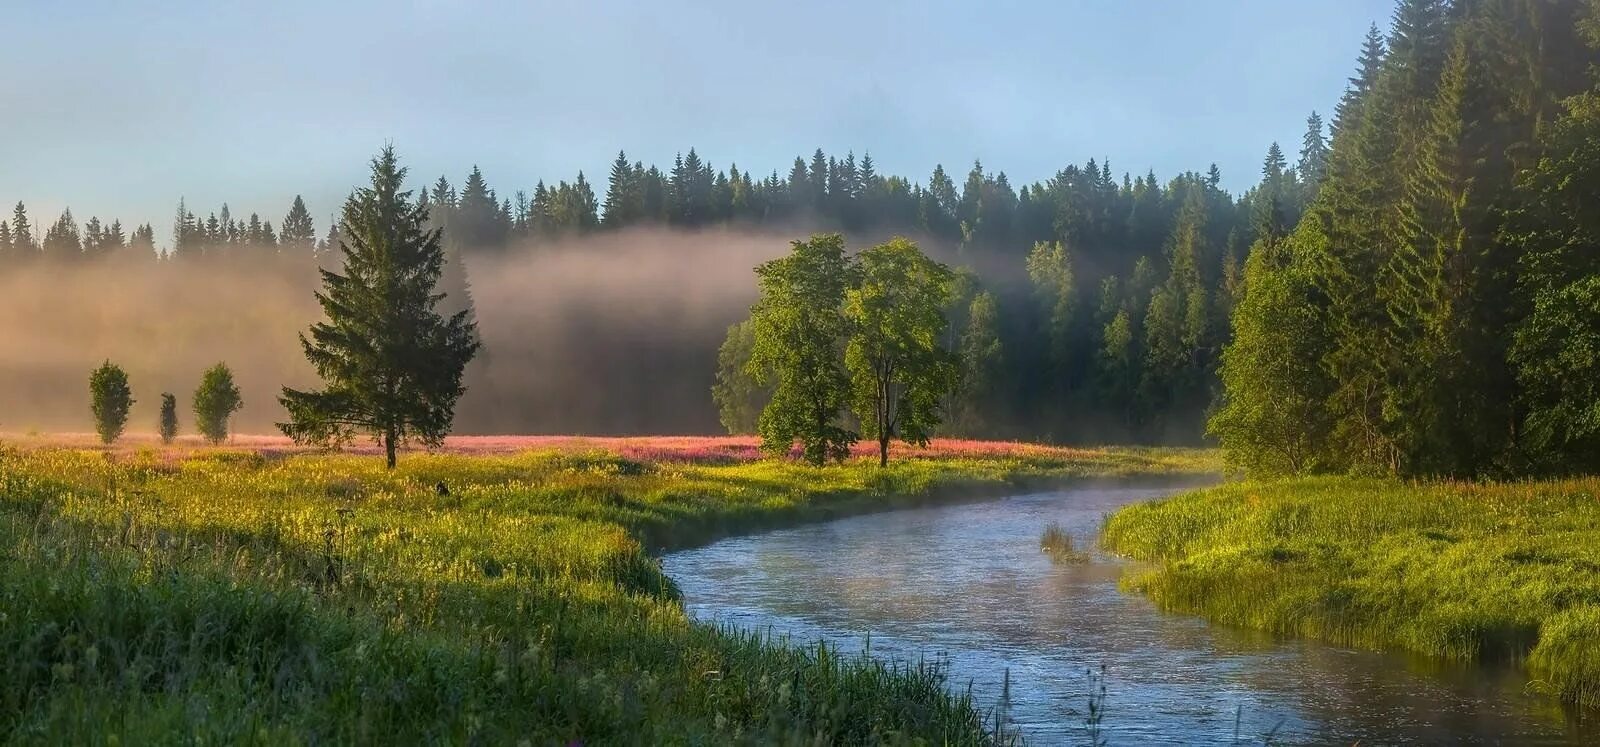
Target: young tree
{"x":169,"y":417}
{"x":899,"y":372}
{"x":982,"y":363}
{"x":216,"y":400}
{"x":739,"y":398}
{"x":799,"y":332}
{"x":391,"y":363}
{"x":109,"y":399}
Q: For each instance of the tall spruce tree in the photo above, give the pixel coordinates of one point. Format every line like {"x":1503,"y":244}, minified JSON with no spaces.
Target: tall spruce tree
{"x":391,"y":364}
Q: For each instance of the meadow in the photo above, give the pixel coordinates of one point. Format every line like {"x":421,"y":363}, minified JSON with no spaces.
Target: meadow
{"x":501,"y":591}
{"x":1463,"y":571}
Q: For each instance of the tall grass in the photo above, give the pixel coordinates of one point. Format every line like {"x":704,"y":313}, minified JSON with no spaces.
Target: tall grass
{"x":1460,"y":571}
{"x":1057,"y":543}
{"x":226,"y":596}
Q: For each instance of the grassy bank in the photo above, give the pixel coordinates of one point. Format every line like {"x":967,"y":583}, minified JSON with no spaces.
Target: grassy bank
{"x":153,"y":596}
{"x":1459,"y":571}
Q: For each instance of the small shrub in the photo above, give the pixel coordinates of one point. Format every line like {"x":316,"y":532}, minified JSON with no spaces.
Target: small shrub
{"x":216,"y":400}
{"x":169,"y":417}
{"x":110,"y":399}
{"x":1056,"y":543}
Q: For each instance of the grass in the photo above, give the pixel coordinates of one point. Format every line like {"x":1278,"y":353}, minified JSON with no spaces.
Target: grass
{"x":1458,"y":571}
{"x":260,"y":596}
{"x":1057,"y":543}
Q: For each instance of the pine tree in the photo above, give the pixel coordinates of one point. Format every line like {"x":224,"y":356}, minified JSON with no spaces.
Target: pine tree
{"x":113,"y":240}
{"x":392,"y":365}
{"x":623,"y":199}
{"x":297,"y":234}
{"x":1313,"y":165}
{"x":62,"y":242}
{"x":142,"y":245}
{"x":23,"y":246}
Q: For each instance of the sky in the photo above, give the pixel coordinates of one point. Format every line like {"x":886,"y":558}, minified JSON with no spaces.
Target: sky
{"x":118,"y":109}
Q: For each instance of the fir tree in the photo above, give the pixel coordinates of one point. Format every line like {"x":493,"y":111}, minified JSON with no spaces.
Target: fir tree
{"x":391,"y":364}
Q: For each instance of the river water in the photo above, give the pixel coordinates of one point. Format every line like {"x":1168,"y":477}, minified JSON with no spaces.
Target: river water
{"x":967,"y":585}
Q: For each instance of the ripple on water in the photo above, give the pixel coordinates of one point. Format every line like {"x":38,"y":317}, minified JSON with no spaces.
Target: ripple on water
{"x":968,"y":581}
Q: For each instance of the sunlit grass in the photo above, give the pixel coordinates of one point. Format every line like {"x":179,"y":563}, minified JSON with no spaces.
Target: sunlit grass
{"x":238,"y":595}
{"x":1461,"y":571}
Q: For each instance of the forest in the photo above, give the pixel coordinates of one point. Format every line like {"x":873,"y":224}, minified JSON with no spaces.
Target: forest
{"x":1088,"y":308}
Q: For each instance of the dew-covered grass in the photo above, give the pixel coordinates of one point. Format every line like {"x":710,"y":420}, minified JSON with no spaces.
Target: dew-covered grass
{"x":1462,"y":571}
{"x":239,"y":595}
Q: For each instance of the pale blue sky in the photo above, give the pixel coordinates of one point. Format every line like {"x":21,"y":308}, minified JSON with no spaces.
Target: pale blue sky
{"x":119,"y":110}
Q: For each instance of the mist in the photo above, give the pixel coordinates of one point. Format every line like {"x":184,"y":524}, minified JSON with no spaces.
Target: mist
{"x":612,"y":334}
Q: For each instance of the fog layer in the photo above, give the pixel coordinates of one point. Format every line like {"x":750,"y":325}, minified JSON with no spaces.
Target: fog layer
{"x":610,"y":334}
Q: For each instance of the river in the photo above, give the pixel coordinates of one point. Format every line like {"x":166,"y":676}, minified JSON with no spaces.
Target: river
{"x":966,"y":584}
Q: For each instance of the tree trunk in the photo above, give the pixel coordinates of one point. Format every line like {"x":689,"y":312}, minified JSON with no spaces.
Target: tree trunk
{"x":388,"y":446}
{"x":883,"y":448}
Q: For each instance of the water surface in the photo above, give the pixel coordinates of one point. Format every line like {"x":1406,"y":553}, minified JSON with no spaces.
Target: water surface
{"x":967,"y":584}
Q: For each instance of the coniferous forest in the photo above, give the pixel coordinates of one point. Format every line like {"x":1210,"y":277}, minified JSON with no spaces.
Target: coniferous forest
{"x":1408,"y":288}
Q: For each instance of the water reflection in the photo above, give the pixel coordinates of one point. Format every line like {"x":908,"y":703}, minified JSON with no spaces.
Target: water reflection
{"x":968,"y":582}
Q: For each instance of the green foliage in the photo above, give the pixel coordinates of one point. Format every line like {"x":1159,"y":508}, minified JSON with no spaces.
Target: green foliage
{"x":1557,"y":345}
{"x":1462,"y":571}
{"x":169,"y":418}
{"x":1382,"y":342}
{"x":392,"y":365}
{"x":800,"y":332}
{"x":1271,"y":419}
{"x":109,"y":400}
{"x":898,"y":369}
{"x":738,"y":396}
{"x":980,"y":365}
{"x":215,"y":401}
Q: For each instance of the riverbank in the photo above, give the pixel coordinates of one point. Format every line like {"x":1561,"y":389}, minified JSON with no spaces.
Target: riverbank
{"x":1458,"y":571}
{"x":241,"y":596}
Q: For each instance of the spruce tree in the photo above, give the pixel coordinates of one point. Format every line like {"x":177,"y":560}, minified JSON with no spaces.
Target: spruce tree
{"x":390,"y":362}
{"x":62,"y":242}
{"x":297,"y":235}
{"x":22,"y":243}
{"x":1313,"y":165}
{"x":623,"y":199}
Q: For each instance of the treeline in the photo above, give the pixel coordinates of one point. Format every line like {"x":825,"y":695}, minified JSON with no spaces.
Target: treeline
{"x":1435,"y":311}
{"x":1100,"y":305}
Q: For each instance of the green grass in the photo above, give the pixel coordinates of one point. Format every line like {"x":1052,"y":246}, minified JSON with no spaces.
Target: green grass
{"x":1057,"y":543}
{"x":227,"y":597}
{"x":1460,"y":571}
